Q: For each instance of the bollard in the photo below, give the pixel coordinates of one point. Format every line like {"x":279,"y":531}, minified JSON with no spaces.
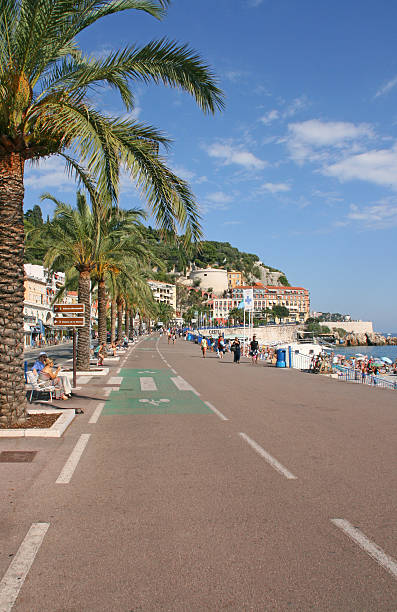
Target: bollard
{"x":25,"y":364}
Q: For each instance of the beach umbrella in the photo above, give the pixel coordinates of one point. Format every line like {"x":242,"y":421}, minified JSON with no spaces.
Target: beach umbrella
{"x":386,"y":360}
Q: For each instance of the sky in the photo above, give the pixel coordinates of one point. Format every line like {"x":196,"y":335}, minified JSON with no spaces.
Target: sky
{"x":301,"y":166}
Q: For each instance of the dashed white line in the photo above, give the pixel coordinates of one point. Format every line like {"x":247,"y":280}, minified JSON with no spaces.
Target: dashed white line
{"x":174,"y":371}
{"x":271,"y":460}
{"x":372,"y":549}
{"x":216,"y":411}
{"x":115,"y":380}
{"x":118,"y":371}
{"x":68,"y":469}
{"x":147,"y":383}
{"x":17,"y":571}
{"x":97,"y":413}
{"x":183,"y":385}
{"x":106,"y":392}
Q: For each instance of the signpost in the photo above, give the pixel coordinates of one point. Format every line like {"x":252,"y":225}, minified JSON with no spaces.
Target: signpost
{"x":76,"y":319}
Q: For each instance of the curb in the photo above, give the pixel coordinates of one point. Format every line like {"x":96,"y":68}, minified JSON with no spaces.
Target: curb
{"x":55,"y":431}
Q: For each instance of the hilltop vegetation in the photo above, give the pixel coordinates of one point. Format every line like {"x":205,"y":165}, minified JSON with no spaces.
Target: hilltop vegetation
{"x":174,"y":256}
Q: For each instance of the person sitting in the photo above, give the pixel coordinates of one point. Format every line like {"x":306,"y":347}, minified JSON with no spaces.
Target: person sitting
{"x":101,"y":353}
{"x":39,"y":364}
{"x":49,"y":374}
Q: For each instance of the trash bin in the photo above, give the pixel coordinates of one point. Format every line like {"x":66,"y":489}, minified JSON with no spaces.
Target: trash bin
{"x":281,"y":356}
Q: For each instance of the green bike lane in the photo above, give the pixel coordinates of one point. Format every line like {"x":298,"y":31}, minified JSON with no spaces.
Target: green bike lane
{"x":165,"y":398}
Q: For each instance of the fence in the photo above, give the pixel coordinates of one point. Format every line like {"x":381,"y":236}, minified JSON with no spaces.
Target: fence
{"x":356,"y":376}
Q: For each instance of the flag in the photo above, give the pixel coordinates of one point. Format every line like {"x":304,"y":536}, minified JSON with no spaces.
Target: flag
{"x":248,"y":296}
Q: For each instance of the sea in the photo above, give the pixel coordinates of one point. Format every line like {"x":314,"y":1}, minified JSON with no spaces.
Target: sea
{"x":371,"y":351}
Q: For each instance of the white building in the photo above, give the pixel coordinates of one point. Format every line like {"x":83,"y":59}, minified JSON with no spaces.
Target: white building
{"x":163,"y":292}
{"x":211,"y":278}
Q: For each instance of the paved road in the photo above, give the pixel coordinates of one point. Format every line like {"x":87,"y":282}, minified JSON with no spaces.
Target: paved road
{"x":60,"y":353}
{"x":205,"y":485}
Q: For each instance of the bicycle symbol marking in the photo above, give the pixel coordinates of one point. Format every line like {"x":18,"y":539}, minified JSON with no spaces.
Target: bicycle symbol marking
{"x":154,"y":402}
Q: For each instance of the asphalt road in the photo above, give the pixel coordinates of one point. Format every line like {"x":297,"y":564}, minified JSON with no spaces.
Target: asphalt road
{"x":205,"y":485}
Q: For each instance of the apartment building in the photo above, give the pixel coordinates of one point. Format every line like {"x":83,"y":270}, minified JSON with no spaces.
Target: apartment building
{"x":163,"y":292}
{"x":296,"y":299}
{"x":234,"y":279}
{"x":40,"y":289}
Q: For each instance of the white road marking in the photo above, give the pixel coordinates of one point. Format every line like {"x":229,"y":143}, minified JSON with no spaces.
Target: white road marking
{"x":115,"y":380}
{"x":68,"y":469}
{"x":82,"y":380}
{"x":147,"y":383}
{"x":271,"y":460}
{"x":217,"y":412}
{"x":183,"y":385}
{"x":97,"y":413}
{"x":174,"y":371}
{"x":106,"y":392}
{"x":372,"y":549}
{"x":118,"y":371}
{"x":19,"y":567}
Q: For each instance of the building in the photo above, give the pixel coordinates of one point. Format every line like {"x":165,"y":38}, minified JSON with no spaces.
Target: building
{"x":211,"y":278}
{"x":40,"y":289}
{"x":296,"y":299}
{"x":163,"y":292}
{"x":234,"y":279}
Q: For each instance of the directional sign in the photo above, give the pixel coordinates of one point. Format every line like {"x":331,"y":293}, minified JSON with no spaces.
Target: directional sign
{"x":69,"y":321}
{"x":72,"y":308}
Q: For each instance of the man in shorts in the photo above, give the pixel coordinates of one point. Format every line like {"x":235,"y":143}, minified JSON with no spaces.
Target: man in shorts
{"x":254,"y":349}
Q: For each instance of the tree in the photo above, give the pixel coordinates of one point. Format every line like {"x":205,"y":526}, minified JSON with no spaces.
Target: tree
{"x":45,"y":81}
{"x":280,"y":312}
{"x":237,"y":314}
{"x":165,"y":312}
{"x":121,"y":241}
{"x":74,"y":244}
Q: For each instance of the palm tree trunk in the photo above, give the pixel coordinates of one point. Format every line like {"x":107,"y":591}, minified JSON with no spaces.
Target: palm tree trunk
{"x":131,"y":324}
{"x":113,"y":321}
{"x":127,"y":322}
{"x":119,"y":320}
{"x":83,"y":340}
{"x":12,"y":240}
{"x":102,"y":303}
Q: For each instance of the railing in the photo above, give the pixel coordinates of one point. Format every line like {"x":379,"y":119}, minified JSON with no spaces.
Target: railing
{"x":350,"y":375}
{"x":300,"y":361}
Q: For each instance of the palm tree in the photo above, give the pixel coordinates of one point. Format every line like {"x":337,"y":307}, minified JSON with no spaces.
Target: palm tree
{"x":75,"y":245}
{"x":165,"y":312}
{"x":44,"y":110}
{"x":121,"y":240}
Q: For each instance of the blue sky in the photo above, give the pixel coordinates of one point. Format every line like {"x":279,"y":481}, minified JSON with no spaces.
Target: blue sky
{"x":301,"y":167}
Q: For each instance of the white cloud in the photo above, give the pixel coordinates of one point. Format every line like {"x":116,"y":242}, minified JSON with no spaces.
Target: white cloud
{"x":270,"y":116}
{"x":296,"y":105}
{"x":313,"y":139}
{"x":376,"y":166}
{"x":381,"y":215}
{"x":276,"y":187}
{"x":48,"y":175}
{"x":219,"y":197}
{"x":183,"y":173}
{"x":230,"y":154}
{"x":387,"y":87}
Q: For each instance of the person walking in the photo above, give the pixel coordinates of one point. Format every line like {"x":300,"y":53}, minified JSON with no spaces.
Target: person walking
{"x":221,"y":347}
{"x":204,"y":346}
{"x":236,"y":350}
{"x":254,"y":350}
